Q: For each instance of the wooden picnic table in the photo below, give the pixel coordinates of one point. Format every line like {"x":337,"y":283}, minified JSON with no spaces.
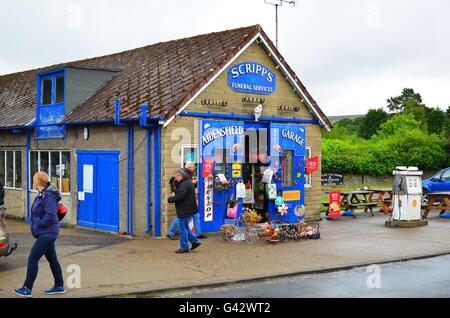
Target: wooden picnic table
{"x":444,"y":205}
{"x":351,"y":200}
{"x":379,"y":195}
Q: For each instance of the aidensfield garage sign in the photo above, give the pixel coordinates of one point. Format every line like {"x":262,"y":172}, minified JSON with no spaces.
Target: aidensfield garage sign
{"x":251,"y":77}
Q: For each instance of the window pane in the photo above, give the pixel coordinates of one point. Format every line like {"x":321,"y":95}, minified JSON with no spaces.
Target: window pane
{"x":307,"y":176}
{"x":288,"y":166}
{"x":44,"y":162}
{"x":59,"y":89}
{"x":54,"y":168}
{"x":46,"y":91}
{"x":34,"y":166}
{"x":2,"y":167}
{"x":9,"y":169}
{"x":65,"y":171}
{"x":190,"y":154}
{"x":18,"y":172}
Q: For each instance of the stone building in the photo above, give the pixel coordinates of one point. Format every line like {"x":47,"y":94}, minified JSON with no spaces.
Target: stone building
{"x":111,"y":131}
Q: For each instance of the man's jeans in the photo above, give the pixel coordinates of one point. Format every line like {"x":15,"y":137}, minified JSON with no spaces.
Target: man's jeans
{"x":186,"y":235}
{"x":44,"y":245}
{"x":197,"y":227}
{"x":173,"y":228}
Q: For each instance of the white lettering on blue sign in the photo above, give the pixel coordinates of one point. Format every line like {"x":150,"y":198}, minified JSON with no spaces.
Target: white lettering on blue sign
{"x":251,"y":77}
{"x":252,"y":68}
{"x":288,"y":134}
{"x":222,"y":132}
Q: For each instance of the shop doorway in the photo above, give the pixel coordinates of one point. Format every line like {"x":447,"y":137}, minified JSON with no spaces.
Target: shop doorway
{"x":256,"y":161}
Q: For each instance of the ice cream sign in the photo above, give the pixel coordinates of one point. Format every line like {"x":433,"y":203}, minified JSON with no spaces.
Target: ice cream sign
{"x":251,"y":77}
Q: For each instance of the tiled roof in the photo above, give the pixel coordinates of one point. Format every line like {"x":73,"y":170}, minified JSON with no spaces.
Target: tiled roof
{"x":17,"y":99}
{"x":163,"y":75}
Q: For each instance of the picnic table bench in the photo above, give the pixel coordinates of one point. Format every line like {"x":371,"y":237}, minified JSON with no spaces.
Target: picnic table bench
{"x":379,"y":196}
{"x":351,"y":200}
{"x":444,"y":205}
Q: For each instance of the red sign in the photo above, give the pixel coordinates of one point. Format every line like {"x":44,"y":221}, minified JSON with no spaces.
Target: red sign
{"x":312,"y":165}
{"x":334,"y":207}
{"x":207,"y":167}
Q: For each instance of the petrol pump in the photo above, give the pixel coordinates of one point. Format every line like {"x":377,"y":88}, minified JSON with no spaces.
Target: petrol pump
{"x":406,"y":198}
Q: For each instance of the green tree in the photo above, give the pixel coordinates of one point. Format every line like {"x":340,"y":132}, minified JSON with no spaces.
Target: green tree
{"x":397,"y":124}
{"x":437,"y":121}
{"x":370,"y":123}
{"x":396,"y":104}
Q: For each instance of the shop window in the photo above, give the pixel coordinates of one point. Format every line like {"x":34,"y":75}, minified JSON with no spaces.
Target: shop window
{"x":56,"y":164}
{"x":65,"y":171}
{"x":222,"y":158}
{"x":190,"y":153}
{"x":44,"y":162}
{"x":18,"y":170}
{"x":11,"y":169}
{"x":34,"y":165}
{"x":288,"y":168}
{"x":54,"y":168}
{"x":2,"y":167}
{"x":308,"y":177}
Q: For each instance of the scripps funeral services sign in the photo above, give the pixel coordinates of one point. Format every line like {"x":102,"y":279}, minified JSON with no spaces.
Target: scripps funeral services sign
{"x":251,"y":77}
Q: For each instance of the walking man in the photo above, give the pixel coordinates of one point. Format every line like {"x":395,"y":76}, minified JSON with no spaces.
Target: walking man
{"x":186,"y":207}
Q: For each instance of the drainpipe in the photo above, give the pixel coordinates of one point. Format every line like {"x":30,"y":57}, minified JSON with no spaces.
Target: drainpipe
{"x":157,"y":179}
{"x":143,"y":123}
{"x":149,"y":183}
{"x":27,"y":168}
{"x":130,"y":179}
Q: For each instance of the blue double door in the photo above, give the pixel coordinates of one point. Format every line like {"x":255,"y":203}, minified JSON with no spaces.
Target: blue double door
{"x":98,"y":189}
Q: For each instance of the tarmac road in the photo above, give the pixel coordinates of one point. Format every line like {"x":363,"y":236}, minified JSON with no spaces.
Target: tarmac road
{"x":424,"y":278}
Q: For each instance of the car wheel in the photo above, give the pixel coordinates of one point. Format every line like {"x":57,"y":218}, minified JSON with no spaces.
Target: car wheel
{"x":425,"y":197}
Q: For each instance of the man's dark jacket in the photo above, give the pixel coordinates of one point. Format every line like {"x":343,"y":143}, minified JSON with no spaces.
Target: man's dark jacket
{"x":184,"y":199}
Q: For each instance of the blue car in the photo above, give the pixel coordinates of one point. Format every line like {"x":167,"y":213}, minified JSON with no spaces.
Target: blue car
{"x":437,"y":183}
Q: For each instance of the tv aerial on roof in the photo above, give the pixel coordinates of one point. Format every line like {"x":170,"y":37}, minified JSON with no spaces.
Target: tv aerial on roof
{"x":276,"y":4}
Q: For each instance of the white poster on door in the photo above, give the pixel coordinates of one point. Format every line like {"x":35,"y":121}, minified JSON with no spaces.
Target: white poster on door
{"x":88,"y":178}
{"x":81,"y":196}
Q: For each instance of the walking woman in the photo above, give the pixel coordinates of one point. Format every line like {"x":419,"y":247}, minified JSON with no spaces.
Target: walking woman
{"x":45,"y":228}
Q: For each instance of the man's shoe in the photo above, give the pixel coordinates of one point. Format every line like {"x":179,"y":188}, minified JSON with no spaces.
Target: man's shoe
{"x":55,"y":290}
{"x":202,"y":236}
{"x":194,"y":246}
{"x":23,"y":292}
{"x":172,"y":237}
{"x":180,"y":251}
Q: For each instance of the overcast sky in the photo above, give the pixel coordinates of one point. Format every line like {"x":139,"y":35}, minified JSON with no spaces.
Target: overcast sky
{"x":351,"y":54}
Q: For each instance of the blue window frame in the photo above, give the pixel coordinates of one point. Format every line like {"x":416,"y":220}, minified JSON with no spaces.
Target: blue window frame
{"x":52,"y":89}
{"x":51,"y":96}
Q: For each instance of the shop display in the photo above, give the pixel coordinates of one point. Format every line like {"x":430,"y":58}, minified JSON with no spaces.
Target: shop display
{"x":271,"y":191}
{"x":240,"y":190}
{"x":247,"y":229}
{"x":232,"y":207}
{"x":250,"y":216}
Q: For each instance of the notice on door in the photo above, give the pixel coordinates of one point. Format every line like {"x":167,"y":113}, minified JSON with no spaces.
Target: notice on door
{"x":88,"y":178}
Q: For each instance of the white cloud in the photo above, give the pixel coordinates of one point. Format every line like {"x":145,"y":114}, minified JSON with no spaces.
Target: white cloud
{"x":352,"y":55}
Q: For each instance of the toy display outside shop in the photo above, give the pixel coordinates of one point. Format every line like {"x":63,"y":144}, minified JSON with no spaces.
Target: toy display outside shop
{"x":247,"y":228}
